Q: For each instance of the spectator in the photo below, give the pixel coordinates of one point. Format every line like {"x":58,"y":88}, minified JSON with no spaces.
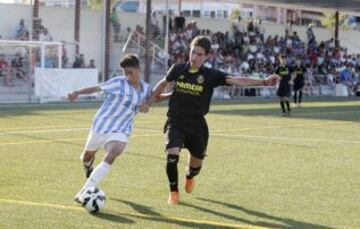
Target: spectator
{"x":79,"y":61}
{"x":17,"y":66}
{"x":179,"y":22}
{"x":37,"y":28}
{"x":64,"y":57}
{"x":91,"y":64}
{"x":49,"y":60}
{"x":20,"y":29}
{"x":311,"y":36}
{"x":5,"y":71}
{"x":45,"y":35}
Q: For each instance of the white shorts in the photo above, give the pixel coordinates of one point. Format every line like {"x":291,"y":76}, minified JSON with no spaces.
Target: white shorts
{"x":95,"y":141}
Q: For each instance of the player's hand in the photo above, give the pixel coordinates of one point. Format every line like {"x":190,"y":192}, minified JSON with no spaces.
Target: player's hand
{"x":144,"y":108}
{"x":272,"y":80}
{"x":72,"y":96}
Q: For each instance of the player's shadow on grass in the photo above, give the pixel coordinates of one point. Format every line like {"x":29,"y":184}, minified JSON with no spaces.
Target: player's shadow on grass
{"x":281,"y":222}
{"x":147,"y":213}
{"x":113,"y":217}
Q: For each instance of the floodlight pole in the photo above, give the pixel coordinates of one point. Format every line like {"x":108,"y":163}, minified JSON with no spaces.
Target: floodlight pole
{"x":35,"y":15}
{"x":77,"y":24}
{"x":31,"y":21}
{"x":337,"y":29}
{"x":166,"y":44}
{"x":106,"y":70}
{"x":148,"y":39}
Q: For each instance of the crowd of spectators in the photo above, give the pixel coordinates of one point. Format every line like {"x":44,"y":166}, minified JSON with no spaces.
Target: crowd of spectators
{"x":246,"y":51}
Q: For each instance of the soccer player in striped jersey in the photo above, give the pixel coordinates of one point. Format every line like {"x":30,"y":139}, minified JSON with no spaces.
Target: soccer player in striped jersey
{"x":125,"y":96}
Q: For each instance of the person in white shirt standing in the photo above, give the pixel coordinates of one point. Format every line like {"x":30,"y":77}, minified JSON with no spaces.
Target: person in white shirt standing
{"x":125,"y":96}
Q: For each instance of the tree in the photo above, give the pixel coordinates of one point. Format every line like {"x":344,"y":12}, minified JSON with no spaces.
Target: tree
{"x":95,"y":4}
{"x":235,"y":14}
{"x":328,"y":20}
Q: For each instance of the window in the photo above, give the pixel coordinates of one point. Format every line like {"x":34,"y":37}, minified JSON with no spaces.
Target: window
{"x":186,"y":13}
{"x":127,"y":6}
{"x":206,"y":13}
{"x":196,"y":13}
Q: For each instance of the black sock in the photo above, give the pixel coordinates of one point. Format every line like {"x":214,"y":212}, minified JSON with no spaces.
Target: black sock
{"x":282,"y":104}
{"x":300,"y":96}
{"x":172,"y":171}
{"x":191,"y":172}
{"x":295,"y":96}
{"x":287,"y":105}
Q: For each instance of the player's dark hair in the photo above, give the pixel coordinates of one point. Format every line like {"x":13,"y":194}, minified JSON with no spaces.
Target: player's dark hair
{"x":202,"y":42}
{"x":130,"y":60}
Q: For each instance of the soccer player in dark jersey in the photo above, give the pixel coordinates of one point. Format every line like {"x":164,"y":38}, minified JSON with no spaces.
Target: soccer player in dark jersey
{"x":284,"y":71}
{"x":299,"y":81}
{"x":186,"y":126}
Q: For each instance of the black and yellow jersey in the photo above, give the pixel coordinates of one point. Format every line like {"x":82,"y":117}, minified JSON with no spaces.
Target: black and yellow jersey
{"x":193,"y":90}
{"x":285,"y":74}
{"x":300,"y":73}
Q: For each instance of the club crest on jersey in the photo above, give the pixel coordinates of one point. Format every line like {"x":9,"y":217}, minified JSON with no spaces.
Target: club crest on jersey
{"x":181,"y":77}
{"x":200,"y":79}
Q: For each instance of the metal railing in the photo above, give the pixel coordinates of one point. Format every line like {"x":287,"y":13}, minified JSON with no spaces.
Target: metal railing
{"x":138,"y":40}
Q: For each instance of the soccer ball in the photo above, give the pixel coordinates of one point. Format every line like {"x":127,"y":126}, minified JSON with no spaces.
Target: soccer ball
{"x":93,"y":199}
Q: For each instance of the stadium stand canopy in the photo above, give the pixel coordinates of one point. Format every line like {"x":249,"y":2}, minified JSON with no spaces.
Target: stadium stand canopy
{"x":341,"y":5}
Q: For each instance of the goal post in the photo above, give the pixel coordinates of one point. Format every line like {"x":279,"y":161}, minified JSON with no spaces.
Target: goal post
{"x":46,"y":67}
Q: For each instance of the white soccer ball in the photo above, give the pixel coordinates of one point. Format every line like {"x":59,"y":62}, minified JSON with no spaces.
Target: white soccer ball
{"x":93,"y":199}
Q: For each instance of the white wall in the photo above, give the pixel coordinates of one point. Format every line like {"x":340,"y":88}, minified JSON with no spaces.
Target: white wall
{"x":60,"y":22}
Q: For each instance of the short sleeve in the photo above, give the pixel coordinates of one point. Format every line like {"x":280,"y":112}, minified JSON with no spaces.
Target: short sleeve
{"x":148,"y":91}
{"x":217,"y":78}
{"x":172,"y":73}
{"x":112,"y":86}
{"x":277,"y":71}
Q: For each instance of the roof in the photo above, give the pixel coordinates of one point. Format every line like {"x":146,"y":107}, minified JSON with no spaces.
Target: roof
{"x":341,"y":5}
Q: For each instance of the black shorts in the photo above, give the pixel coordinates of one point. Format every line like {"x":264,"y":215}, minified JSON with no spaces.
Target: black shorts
{"x":298,"y":85}
{"x":177,"y":136}
{"x":284,"y":91}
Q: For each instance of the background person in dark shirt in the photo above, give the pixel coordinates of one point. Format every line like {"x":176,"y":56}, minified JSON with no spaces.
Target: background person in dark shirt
{"x":299,"y":81}
{"x":284,"y":71}
{"x":179,"y":22}
{"x":186,"y":126}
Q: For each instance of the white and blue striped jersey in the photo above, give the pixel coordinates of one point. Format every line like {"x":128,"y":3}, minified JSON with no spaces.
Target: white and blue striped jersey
{"x":121,"y":104}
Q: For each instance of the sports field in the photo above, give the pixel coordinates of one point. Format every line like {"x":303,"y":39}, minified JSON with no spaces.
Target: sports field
{"x":262,"y":170}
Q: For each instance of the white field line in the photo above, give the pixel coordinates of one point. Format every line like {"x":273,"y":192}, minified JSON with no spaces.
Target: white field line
{"x":286,"y":138}
{"x":131,"y":214}
{"x":59,"y":130}
{"x":67,"y":140}
{"x":50,"y":129}
{"x":282,"y":126}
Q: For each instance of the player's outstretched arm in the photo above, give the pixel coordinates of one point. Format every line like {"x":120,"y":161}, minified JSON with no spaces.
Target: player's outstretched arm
{"x":163,"y":96}
{"x":247,"y":81}
{"x":72,"y":96}
{"x":157,"y":93}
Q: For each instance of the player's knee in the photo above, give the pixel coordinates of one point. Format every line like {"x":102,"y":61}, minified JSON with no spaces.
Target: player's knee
{"x":172,"y":159}
{"x":87,"y":156}
{"x":194,"y":171}
{"x":112,"y":155}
